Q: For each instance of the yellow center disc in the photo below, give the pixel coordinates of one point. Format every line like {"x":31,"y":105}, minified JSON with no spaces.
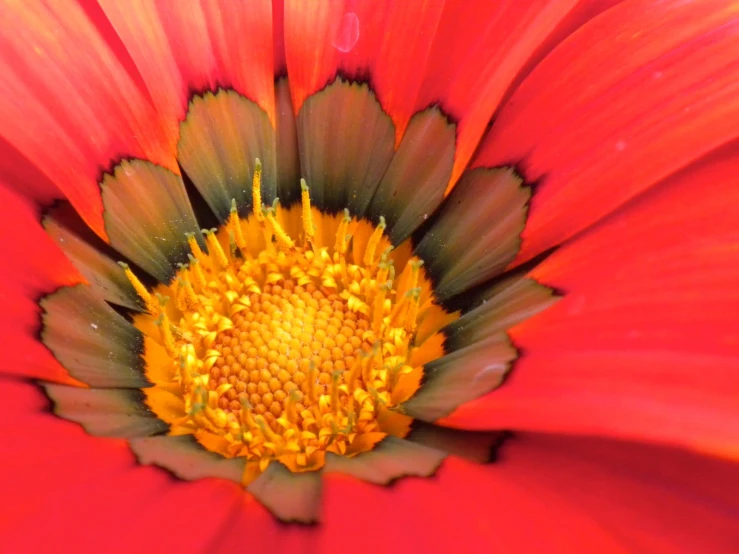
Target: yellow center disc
{"x":274,"y":348}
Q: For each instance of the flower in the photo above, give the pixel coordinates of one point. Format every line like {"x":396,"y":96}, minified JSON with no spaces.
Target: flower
{"x":590,"y":226}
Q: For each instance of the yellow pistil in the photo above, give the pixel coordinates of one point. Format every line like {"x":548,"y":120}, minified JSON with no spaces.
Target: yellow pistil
{"x":288,"y":353}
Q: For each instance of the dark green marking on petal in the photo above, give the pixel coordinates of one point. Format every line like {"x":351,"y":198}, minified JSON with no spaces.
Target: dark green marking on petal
{"x":480,"y":353}
{"x":95,"y":344}
{"x":476,"y":233}
{"x":389,"y":460}
{"x":288,"y":156}
{"x":91,"y":256}
{"x":461,"y":376}
{"x":413,"y":185}
{"x":476,"y":446}
{"x":289,"y":496}
{"x":346,"y":142}
{"x":106,"y":412}
{"x":502,"y":306}
{"x":147,"y":213}
{"x":186,"y":458}
{"x":220,"y":139}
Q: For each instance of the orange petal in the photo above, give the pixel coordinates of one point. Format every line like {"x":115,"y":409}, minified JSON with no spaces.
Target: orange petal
{"x":32,"y":265}
{"x":69,"y":105}
{"x":643,"y":343}
{"x":389,"y":40}
{"x":636,"y":94}
{"x":466,"y":507}
{"x":479,"y":48}
{"x":648,"y":498}
{"x":181,"y":47}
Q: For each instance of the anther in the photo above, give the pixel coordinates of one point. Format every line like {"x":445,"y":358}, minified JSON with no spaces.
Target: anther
{"x":283,"y":239}
{"x":235,"y":224}
{"x":139,"y":287}
{"x":341,"y":242}
{"x":215,"y":247}
{"x":165,"y":328}
{"x":256,"y":191}
{"x":195,"y":247}
{"x":369,"y":253}
{"x":308,"y":227}
{"x":410,"y":319}
{"x":197,"y":272}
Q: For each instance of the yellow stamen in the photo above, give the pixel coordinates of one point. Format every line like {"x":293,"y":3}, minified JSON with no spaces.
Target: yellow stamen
{"x":235,"y":224}
{"x":165,"y":326}
{"x":283,"y":239}
{"x":140,"y":289}
{"x":341,"y":242}
{"x":214,"y":246}
{"x":308,"y":227}
{"x":369,"y":253}
{"x":289,"y":353}
{"x":256,"y":191}
{"x":195,"y":247}
{"x":197,"y":272}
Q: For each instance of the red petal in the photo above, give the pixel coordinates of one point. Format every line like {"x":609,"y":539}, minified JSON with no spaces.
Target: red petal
{"x":584,"y":11}
{"x":636,"y":94}
{"x":278,"y":32}
{"x":651,"y":499}
{"x":252,"y":525}
{"x":70,"y":106}
{"x":19,"y":174}
{"x":31,"y":265}
{"x":479,"y":48}
{"x":390,"y":40}
{"x":90,"y":495}
{"x":201,"y":45}
{"x":465,"y":508}
{"x":643,"y":344}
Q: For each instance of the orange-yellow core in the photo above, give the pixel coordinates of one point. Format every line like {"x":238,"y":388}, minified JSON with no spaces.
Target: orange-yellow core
{"x":273,"y":348}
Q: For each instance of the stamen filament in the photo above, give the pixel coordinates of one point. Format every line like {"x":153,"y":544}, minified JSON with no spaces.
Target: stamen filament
{"x":256,"y":191}
{"x":215,"y":247}
{"x":140,"y":289}
{"x":369,"y":253}
{"x":308,"y":227}
{"x":234,"y":223}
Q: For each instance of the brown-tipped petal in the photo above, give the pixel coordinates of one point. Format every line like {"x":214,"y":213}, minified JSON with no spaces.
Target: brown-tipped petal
{"x":178,"y":47}
{"x":106,"y":412}
{"x":477,"y":232}
{"x":186,"y":458}
{"x":476,"y":446}
{"x":499,"y":308}
{"x":480,"y":352}
{"x":289,"y":496}
{"x":147,"y":214}
{"x":390,"y":459}
{"x":346,"y":143}
{"x":414,"y":183}
{"x":222,"y":136}
{"x":94,"y":343}
{"x":85,"y":250}
{"x":461,"y":376}
{"x":286,"y":150}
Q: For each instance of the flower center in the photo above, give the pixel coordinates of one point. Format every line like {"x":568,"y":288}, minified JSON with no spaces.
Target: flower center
{"x":282,"y":348}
